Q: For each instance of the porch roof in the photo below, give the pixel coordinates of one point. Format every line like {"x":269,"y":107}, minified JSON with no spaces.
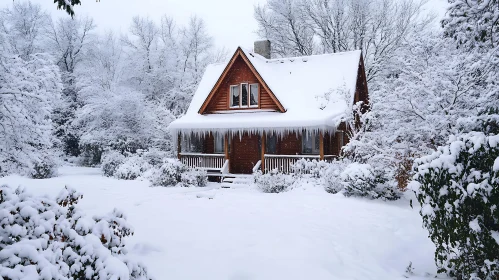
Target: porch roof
{"x":255,"y":121}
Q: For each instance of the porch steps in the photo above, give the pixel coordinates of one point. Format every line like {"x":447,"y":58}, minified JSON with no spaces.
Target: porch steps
{"x":236,"y":180}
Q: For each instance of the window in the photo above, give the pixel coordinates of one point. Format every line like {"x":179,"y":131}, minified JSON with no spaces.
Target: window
{"x":254,"y":95}
{"x":310,"y":143}
{"x":244,"y":95}
{"x":234,"y":96}
{"x":192,"y":144}
{"x":271,"y":144}
{"x":219,"y":143}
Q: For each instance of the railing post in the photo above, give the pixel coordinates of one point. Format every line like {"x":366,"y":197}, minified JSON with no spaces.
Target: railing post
{"x":226,"y":147}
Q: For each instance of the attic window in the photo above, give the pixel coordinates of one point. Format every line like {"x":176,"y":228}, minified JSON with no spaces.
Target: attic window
{"x":244,"y":95}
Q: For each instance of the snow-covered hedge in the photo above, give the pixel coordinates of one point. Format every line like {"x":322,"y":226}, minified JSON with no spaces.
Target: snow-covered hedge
{"x":273,"y":182}
{"x":111,"y":161}
{"x":194,"y":178}
{"x":43,"y":169}
{"x":331,"y":177}
{"x":364,"y":180}
{"x":174,"y":173}
{"x":42,"y":238}
{"x":153,"y":166}
{"x":132,"y":167}
{"x":458,"y":189}
{"x":313,"y":167}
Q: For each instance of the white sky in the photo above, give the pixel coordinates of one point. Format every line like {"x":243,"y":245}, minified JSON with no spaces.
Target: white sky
{"x":230,"y":22}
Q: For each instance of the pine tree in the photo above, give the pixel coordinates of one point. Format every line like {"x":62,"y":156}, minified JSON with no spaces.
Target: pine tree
{"x":458,"y":189}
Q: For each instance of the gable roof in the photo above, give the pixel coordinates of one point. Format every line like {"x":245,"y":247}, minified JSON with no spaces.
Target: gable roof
{"x":314,"y":91}
{"x":239,"y":53}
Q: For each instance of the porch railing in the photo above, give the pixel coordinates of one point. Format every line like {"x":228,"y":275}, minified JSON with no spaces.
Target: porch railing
{"x":284,"y":163}
{"x":204,"y":161}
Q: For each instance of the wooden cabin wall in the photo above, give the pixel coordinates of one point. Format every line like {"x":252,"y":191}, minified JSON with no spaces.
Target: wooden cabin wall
{"x":209,"y":144}
{"x":238,"y":73}
{"x":289,"y":144}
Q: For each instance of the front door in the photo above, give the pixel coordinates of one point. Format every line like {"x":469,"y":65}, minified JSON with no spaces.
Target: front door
{"x":245,"y":153}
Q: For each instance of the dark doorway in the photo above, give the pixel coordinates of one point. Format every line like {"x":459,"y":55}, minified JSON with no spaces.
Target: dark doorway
{"x":245,"y":153}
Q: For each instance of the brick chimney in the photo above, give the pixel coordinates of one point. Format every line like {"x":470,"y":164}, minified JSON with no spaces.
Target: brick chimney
{"x":262,"y":48}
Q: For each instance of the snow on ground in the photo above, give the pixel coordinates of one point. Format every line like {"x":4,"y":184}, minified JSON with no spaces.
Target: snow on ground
{"x":213,"y":233}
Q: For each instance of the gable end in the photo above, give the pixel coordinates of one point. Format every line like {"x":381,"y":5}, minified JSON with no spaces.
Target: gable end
{"x":218,"y":98}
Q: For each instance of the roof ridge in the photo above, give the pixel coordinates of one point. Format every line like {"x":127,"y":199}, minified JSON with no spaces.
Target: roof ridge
{"x":256,"y":55}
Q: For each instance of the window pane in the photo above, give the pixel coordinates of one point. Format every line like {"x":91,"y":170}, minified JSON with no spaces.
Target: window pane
{"x":316,"y":143}
{"x":234,"y":96}
{"x":271,"y":144}
{"x":192,"y":144}
{"x":219,"y":144}
{"x":254,"y":94}
{"x":244,"y":94}
{"x":307,"y":140}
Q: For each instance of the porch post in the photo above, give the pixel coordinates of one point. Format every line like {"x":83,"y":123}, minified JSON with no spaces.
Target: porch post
{"x":262,"y":163}
{"x":179,"y":144}
{"x":226,"y":145}
{"x":321,"y":145}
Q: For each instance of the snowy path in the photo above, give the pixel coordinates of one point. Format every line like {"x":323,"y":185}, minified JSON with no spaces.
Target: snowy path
{"x":244,"y":234}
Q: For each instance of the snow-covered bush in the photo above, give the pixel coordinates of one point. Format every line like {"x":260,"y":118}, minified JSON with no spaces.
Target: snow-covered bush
{"x":44,"y":169}
{"x":169,"y":174}
{"x":458,"y":189}
{"x":194,"y":178}
{"x":363,"y":180}
{"x":273,"y":181}
{"x":132,"y":168}
{"x":331,"y":177}
{"x":111,"y":160}
{"x":312,"y":167}
{"x":44,"y":238}
{"x":154,"y":157}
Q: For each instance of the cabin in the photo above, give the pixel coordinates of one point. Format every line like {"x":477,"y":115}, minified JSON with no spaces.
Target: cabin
{"x":257,"y":113}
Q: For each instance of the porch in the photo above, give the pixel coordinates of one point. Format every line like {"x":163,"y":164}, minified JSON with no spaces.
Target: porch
{"x":223,"y":155}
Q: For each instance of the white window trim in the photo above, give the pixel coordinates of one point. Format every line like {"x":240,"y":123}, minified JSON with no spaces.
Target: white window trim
{"x":230,"y":96}
{"x":248,"y":87}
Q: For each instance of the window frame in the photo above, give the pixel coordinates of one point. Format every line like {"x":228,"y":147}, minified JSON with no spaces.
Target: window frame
{"x":315,"y":143}
{"x":257,"y":95}
{"x":230,"y":96}
{"x":192,"y":144}
{"x":271,"y":138}
{"x":248,"y":87}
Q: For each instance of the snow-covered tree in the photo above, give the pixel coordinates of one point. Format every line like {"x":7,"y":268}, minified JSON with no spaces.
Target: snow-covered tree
{"x":43,"y":238}
{"x":23,"y":26}
{"x":306,"y":27}
{"x":458,"y":189}
{"x":29,"y":90}
{"x":70,"y":40}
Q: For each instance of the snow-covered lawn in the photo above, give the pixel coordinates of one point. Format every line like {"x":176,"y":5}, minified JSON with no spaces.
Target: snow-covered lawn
{"x":213,"y":233}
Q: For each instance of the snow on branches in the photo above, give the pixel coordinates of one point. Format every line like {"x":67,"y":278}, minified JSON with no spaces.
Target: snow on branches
{"x":29,"y":90}
{"x":42,"y":238}
{"x":458,"y":189}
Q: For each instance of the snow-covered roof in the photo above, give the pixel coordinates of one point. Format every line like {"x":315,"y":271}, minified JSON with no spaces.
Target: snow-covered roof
{"x":315,"y":91}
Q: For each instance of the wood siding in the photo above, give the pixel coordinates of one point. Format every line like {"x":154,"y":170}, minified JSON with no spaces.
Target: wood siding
{"x":239,"y":73}
{"x":289,"y":144}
